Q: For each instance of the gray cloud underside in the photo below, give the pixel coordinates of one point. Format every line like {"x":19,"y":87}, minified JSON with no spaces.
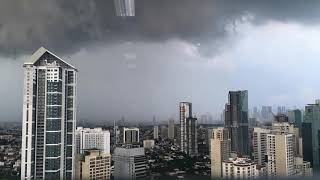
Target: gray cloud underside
{"x":65,"y":26}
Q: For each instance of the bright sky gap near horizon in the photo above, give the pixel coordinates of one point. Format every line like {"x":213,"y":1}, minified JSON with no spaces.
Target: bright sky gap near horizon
{"x":170,"y":52}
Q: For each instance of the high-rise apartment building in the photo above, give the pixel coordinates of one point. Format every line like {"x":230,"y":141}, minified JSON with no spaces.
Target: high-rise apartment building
{"x":185,"y":113}
{"x":290,"y":128}
{"x":259,"y":143}
{"x":312,"y":116}
{"x":96,"y":138}
{"x":280,"y":151}
{"x":93,"y":164}
{"x":236,"y":120}
{"x":220,"y":147}
{"x":129,"y":163}
{"x":192,"y":136}
{"x":49,"y":117}
{"x":171,"y":127}
{"x":130,"y":135}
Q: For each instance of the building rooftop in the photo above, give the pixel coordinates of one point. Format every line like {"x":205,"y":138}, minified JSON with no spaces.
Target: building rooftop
{"x":39,"y":55}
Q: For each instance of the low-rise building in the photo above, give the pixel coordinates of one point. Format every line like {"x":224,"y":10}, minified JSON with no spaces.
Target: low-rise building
{"x":240,"y":168}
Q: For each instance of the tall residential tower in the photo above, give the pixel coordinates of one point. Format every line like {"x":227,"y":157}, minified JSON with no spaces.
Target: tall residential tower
{"x":49,"y":117}
{"x":188,"y":133}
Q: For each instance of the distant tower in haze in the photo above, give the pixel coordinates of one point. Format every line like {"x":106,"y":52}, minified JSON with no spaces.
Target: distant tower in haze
{"x":155,"y":129}
{"x":49,"y":117}
{"x":125,"y":7}
{"x":171,"y":127}
{"x":236,"y":120}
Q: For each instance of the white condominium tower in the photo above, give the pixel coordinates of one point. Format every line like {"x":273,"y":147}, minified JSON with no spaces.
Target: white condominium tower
{"x":96,"y":138}
{"x":49,"y":117}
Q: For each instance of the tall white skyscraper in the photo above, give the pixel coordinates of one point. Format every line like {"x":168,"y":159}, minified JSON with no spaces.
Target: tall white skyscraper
{"x":130,"y":135}
{"x":96,"y":138}
{"x":49,"y":117}
{"x":171,"y":127}
{"x":129,"y":163}
{"x":220,"y":147}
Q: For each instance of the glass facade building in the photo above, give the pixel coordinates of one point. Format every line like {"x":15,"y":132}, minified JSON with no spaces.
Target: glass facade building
{"x":49,"y":117}
{"x":312,"y":116}
{"x":236,"y":121}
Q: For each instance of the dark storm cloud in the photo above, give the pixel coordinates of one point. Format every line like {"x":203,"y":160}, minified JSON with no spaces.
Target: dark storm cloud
{"x":67,"y":25}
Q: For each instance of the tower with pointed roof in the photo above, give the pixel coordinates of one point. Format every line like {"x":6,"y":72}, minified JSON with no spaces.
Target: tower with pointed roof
{"x":49,"y":117}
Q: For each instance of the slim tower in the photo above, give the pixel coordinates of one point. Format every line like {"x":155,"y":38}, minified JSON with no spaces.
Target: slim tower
{"x":49,"y":117}
{"x":185,"y":113}
{"x":236,"y":120}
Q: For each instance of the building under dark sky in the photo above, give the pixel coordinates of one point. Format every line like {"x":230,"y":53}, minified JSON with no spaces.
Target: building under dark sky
{"x":236,"y":120}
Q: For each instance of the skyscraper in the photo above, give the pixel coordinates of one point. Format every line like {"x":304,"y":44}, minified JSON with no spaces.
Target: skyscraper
{"x":192,"y":136}
{"x":124,"y":7}
{"x":220,"y":147}
{"x":312,"y":116}
{"x":130,"y":135}
{"x":185,"y":113}
{"x":171,"y":127}
{"x":96,"y":138}
{"x":236,"y":120}
{"x":306,"y":133}
{"x":129,"y":163}
{"x":49,"y":117}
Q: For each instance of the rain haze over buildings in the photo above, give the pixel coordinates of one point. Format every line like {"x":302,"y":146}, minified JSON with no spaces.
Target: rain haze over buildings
{"x":169,"y":51}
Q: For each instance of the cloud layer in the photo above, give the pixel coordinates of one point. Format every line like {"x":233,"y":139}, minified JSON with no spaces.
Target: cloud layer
{"x":66,"y":26}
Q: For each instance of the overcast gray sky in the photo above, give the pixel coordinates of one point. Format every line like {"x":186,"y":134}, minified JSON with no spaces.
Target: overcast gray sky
{"x":172,"y":51}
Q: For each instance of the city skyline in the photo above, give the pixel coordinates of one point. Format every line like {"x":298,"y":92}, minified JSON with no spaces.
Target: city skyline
{"x":164,"y":56}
